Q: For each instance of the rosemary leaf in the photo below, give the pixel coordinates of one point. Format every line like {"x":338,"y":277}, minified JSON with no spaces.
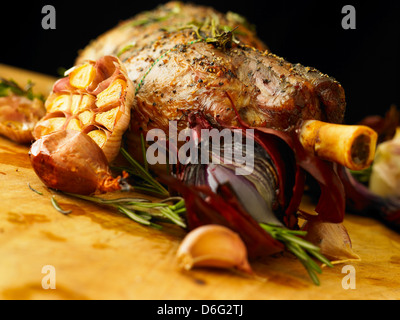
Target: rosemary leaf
{"x":143,"y":144}
{"x":98,"y":200}
{"x":321,"y":258}
{"x":34,"y":190}
{"x":312,"y":275}
{"x":131,"y":214}
{"x":301,"y":242}
{"x":173,"y":217}
{"x":8,"y":87}
{"x":301,"y":248}
{"x":57,"y":207}
{"x":180,"y":211}
{"x":179,"y":205}
{"x":297,"y":251}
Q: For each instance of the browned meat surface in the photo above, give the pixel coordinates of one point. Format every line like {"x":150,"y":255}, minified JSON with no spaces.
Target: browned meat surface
{"x":182,"y":58}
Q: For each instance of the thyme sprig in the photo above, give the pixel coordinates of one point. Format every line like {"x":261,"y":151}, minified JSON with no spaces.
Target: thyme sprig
{"x":301,"y":248}
{"x":210,"y":31}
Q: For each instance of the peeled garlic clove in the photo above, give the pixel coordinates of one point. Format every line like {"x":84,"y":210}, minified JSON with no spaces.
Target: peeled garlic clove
{"x":213,"y":246}
{"x":82,"y":76}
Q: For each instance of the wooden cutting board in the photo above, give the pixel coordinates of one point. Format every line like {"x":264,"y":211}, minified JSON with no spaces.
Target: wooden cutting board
{"x":96,"y":253}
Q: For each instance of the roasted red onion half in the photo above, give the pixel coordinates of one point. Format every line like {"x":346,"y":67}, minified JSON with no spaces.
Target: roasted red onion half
{"x":270,"y":194}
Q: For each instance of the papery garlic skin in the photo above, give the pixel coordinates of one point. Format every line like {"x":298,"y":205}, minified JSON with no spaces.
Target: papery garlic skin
{"x":385,"y":176}
{"x":70,"y":161}
{"x":213,"y":246}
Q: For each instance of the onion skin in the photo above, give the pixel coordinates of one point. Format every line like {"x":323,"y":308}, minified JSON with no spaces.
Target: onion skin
{"x":70,"y":161}
{"x":332,"y":238}
{"x":289,"y":182}
{"x":332,"y":201}
{"x":359,"y":199}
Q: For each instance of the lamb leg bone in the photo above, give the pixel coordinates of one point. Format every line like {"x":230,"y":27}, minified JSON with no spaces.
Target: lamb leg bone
{"x":352,"y":146}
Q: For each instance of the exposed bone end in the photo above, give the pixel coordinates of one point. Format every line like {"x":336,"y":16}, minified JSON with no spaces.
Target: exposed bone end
{"x":352,"y":146}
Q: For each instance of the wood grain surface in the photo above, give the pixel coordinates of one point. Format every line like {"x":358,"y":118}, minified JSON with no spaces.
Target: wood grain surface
{"x":98,"y":253}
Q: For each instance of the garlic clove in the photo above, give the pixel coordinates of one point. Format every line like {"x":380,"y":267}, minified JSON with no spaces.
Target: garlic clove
{"x":213,"y":246}
{"x":333,"y":240}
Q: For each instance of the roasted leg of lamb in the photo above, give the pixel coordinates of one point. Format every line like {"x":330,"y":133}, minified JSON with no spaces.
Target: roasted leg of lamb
{"x":183,"y":58}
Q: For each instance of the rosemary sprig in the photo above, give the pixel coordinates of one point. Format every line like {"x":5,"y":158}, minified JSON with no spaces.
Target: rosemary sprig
{"x":142,"y":210}
{"x":150,"y":183}
{"x":301,"y":248}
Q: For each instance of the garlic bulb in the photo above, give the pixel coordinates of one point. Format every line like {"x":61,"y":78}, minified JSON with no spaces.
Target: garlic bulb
{"x":385,"y":176}
{"x":95,"y":98}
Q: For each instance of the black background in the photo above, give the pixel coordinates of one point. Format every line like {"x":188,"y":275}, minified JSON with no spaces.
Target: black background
{"x":364,"y":60}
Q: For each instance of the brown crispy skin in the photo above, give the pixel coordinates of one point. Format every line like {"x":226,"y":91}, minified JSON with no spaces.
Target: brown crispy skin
{"x":174,"y":76}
